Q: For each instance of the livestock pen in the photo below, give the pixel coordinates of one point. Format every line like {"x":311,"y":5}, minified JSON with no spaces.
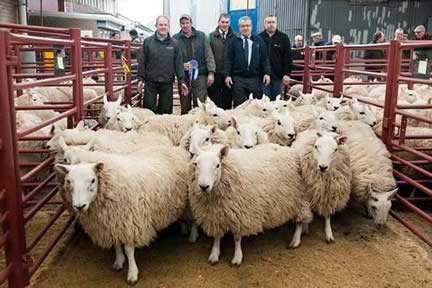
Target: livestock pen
{"x":363,"y":255}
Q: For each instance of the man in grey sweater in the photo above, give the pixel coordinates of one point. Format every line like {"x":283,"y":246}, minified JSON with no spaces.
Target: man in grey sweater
{"x":161,"y":59}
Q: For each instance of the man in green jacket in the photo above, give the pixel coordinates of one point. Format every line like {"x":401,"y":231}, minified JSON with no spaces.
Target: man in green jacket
{"x":219,"y":92}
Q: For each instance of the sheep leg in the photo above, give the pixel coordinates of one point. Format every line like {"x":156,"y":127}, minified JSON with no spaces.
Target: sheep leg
{"x":120,"y":258}
{"x":215,"y":252}
{"x":328,"y":230}
{"x":238,"y":253}
{"x":194,"y":234}
{"x":184,"y":228}
{"x":132,"y":276}
{"x":305,"y":230}
{"x":295,"y":242}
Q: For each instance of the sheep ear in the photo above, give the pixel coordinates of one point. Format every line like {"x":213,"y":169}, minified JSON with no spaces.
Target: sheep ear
{"x":62,"y":169}
{"x":105,"y":99}
{"x":213,"y":129}
{"x":278,"y":97}
{"x":200,"y":104}
{"x":98,"y":167}
{"x":52,"y":130}
{"x":251,"y":96}
{"x":234,"y":123}
{"x":62,"y":143}
{"x":341,"y":140}
{"x":391,"y":194}
{"x":223,"y":152}
{"x":119,"y":100}
{"x":80,"y":125}
{"x":265,"y":98}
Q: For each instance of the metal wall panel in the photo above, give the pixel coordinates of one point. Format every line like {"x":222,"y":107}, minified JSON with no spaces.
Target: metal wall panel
{"x":357,"y":23}
{"x":290,"y":15}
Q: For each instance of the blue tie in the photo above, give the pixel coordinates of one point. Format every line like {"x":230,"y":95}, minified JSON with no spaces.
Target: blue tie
{"x":246,"y":50}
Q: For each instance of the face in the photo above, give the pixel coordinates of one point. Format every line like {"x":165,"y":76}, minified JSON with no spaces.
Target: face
{"x":245,"y":28}
{"x":333,"y":103}
{"x":299,"y":42}
{"x":126,"y":121}
{"x":284,"y":127}
{"x":162,"y":26}
{"x":316,"y":39}
{"x":200,"y":137}
{"x":270,"y":24}
{"x":325,"y":149}
{"x":379,"y":204}
{"x":81,"y":183}
{"x":218,"y":116}
{"x":381,"y":39}
{"x":224,"y":24}
{"x":110,"y":109}
{"x":247,"y":136}
{"x":419,"y":34}
{"x":186,"y":26}
{"x":364,"y":113}
{"x":399,"y":35}
{"x":208,"y":167}
{"x":328,"y":121}
{"x":116,"y":37}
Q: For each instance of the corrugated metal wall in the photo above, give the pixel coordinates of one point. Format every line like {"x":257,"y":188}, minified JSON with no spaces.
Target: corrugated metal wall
{"x":357,"y":23}
{"x":290,"y":15}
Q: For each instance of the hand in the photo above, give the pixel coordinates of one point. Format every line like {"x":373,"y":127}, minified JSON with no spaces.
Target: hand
{"x":266,"y":80}
{"x":140,"y":87}
{"x":228,"y":82}
{"x":184,"y":89}
{"x":285,"y":80}
{"x":186,"y":66}
{"x":210,"y":79}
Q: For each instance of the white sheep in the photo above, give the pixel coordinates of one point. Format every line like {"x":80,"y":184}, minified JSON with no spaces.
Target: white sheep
{"x":281,"y":129}
{"x":319,"y":94}
{"x":245,"y":135}
{"x":109,"y":110}
{"x":243,"y":192}
{"x":127,"y":199}
{"x":305,"y":99}
{"x":326,"y":172}
{"x":373,"y":183}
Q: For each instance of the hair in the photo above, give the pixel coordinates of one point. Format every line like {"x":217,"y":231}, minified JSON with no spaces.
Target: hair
{"x":377,"y":35}
{"x":114,"y":34}
{"x":133,"y":32}
{"x":268,"y":16}
{"x":399,"y":30}
{"x":244,"y":18}
{"x":297,"y":36}
{"x":224,"y":15}
{"x":161,"y":17}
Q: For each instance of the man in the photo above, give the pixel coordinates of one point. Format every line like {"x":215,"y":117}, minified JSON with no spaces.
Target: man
{"x":420,"y":33}
{"x":134,"y":37}
{"x":219,"y":92}
{"x":161,"y":59}
{"x":399,"y":34}
{"x":317,"y":41}
{"x":194,"y":46}
{"x":336,"y":39}
{"x":279,"y":51}
{"x":378,"y":54}
{"x":297,"y":55}
{"x":246,"y":63}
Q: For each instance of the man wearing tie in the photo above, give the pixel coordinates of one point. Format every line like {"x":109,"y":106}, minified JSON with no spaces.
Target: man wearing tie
{"x":246,"y":62}
{"x":219,"y":92}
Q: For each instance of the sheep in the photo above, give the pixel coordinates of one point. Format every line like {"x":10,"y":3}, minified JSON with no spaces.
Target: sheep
{"x":109,"y":110}
{"x":280,"y":130}
{"x":258,"y":108}
{"x":245,"y":135}
{"x":200,"y":135}
{"x":294,"y":90}
{"x":282,"y":106}
{"x":373,"y":183}
{"x":305,"y":99}
{"x":319,"y":94}
{"x":243,"y":192}
{"x":128,"y":119}
{"x":357,"y":111}
{"x":332,"y":103}
{"x":355,"y":90}
{"x":326,"y":172}
{"x":120,"y":203}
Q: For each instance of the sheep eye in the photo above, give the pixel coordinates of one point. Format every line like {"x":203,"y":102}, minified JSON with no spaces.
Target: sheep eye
{"x":374,"y":199}
{"x":279,"y":123}
{"x":217,"y":166}
{"x":285,"y":105}
{"x":238,"y":132}
{"x":335,"y":150}
{"x":68,"y":181}
{"x":316,"y":147}
{"x":362,"y":113}
{"x":93,"y":181}
{"x":215,"y":115}
{"x":264,"y":110}
{"x":118,"y":119}
{"x":207,"y":139}
{"x":321,"y":118}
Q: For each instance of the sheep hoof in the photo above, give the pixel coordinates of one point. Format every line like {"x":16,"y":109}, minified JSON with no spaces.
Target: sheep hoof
{"x":330,"y":240}
{"x":132,"y":283}
{"x":132,"y":279}
{"x":117,"y":266}
{"x":236,"y":261}
{"x":294,"y":244}
{"x":213,"y":259}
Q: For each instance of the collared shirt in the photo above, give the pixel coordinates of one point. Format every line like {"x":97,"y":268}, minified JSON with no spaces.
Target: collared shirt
{"x":222,"y":34}
{"x":250,"y":42}
{"x":160,"y":37}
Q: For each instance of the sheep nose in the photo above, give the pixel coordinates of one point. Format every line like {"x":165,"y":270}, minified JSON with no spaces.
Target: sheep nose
{"x":335,"y":108}
{"x":128,"y":129}
{"x":374,"y":123}
{"x":204,"y":187}
{"x":323,"y":168}
{"x":248,"y":146}
{"x":291,"y":135}
{"x":79,"y":207}
{"x":334,"y":129}
{"x":191,"y":155}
